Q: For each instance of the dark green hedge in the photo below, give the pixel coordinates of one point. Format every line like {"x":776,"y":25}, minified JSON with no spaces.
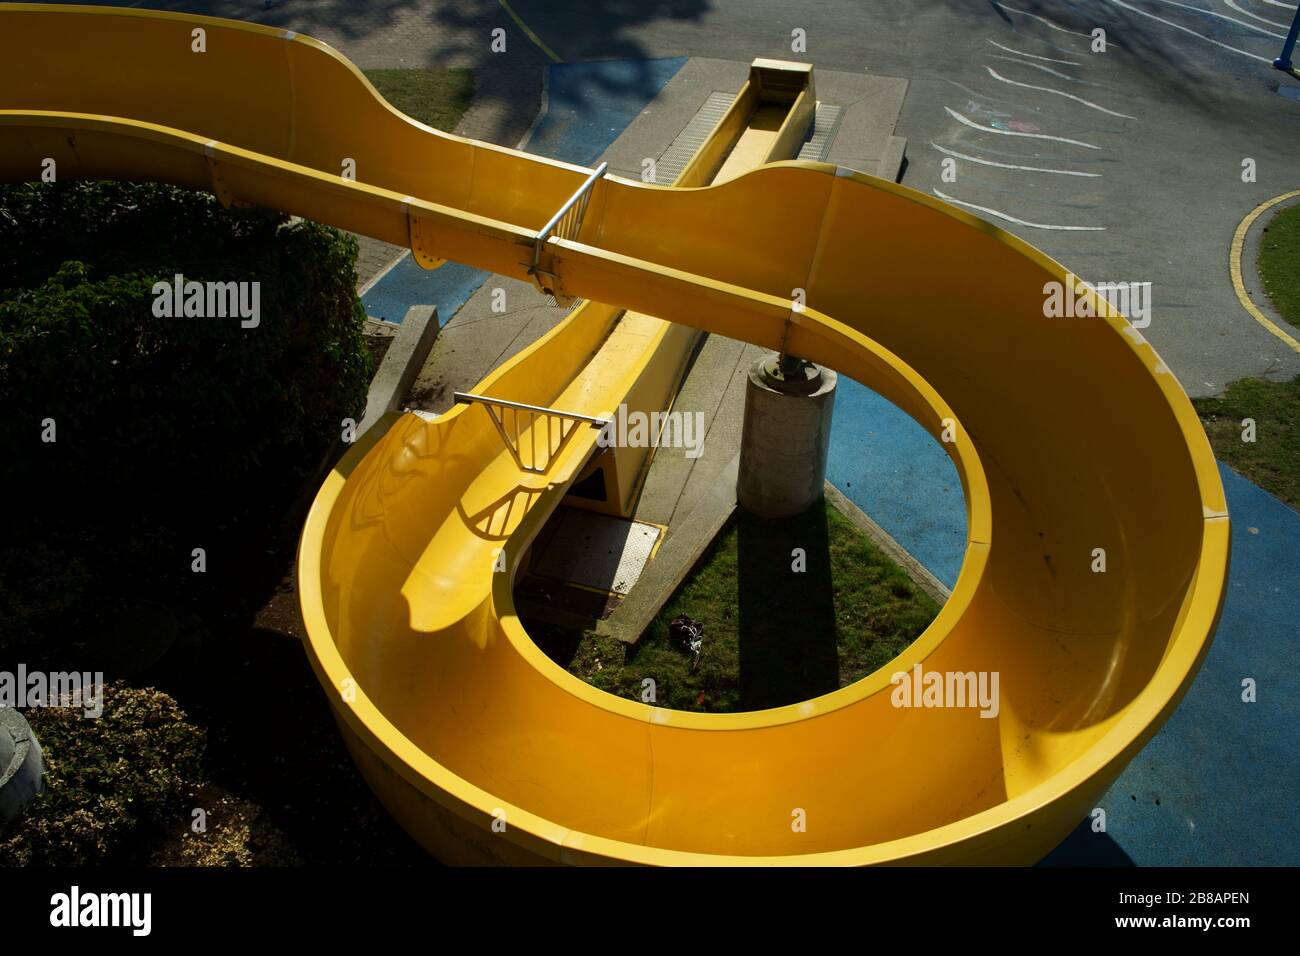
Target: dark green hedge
{"x":168,"y":429}
{"x":145,"y":398}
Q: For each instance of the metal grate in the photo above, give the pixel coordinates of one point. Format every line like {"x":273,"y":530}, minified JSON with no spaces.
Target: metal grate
{"x":597,"y":551}
{"x":826,"y":123}
{"x":670,"y":165}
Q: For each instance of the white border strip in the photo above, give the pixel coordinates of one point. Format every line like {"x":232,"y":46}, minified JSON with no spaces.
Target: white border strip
{"x":541,"y":110}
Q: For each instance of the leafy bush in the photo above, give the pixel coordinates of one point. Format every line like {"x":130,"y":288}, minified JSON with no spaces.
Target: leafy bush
{"x":107,"y":780}
{"x":140,"y":398}
{"x":165,"y":428}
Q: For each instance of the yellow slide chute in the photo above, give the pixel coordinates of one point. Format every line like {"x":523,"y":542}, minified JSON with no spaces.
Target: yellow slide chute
{"x":1070,"y":435}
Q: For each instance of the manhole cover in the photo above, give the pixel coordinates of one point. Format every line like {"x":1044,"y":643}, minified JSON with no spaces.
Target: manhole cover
{"x":597,"y":551}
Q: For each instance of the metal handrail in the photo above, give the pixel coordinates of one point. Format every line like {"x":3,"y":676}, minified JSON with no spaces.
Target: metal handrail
{"x":469,"y":397}
{"x":571,"y":213}
{"x":1283,"y":61}
{"x":568,"y":424}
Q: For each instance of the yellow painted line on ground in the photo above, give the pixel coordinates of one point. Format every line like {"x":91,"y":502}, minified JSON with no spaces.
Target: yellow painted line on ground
{"x":1234,"y":266}
{"x":531,"y":35}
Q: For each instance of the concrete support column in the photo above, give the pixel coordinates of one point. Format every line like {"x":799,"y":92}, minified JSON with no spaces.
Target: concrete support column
{"x":785,"y":437}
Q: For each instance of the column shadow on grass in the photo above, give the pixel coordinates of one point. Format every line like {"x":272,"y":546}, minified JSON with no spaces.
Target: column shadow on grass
{"x":787,"y":617}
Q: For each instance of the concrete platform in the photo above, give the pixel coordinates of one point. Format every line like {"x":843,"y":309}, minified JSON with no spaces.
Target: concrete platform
{"x":872,"y":105}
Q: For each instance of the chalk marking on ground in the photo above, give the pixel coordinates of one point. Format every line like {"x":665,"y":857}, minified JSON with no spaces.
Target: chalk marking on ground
{"x":1069,"y":96}
{"x":1222,"y":16}
{"x":1046,"y":59}
{"x":1255,"y":16}
{"x":1011,"y":132}
{"x":1019,"y":222}
{"x":1054,"y":26}
{"x":1030,"y":169}
{"x":1045,"y":69}
{"x":1177,"y":26}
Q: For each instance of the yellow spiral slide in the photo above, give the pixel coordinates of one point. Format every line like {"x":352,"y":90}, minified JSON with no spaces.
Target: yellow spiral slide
{"x":1069,"y":435}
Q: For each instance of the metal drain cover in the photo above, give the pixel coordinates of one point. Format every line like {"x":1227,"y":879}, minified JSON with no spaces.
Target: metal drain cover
{"x":597,"y":551}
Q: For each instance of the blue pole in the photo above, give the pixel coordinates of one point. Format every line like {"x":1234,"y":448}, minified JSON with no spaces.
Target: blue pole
{"x":1283,"y":62}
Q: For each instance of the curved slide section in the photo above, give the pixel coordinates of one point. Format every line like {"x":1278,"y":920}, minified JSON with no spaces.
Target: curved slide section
{"x":1069,"y":435}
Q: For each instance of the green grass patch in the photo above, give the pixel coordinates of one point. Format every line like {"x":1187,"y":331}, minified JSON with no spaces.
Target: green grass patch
{"x":437,"y":98}
{"x":1272,"y":460}
{"x":773,"y":635}
{"x":1279,"y":263}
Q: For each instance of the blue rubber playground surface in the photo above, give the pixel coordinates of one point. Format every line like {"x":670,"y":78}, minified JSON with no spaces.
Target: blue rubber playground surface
{"x":1217,"y":785}
{"x":588,"y":107}
{"x":590,"y":104}
{"x":890,"y":467}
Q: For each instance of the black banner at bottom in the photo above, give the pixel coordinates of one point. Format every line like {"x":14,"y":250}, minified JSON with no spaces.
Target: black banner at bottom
{"x":331,"y":906}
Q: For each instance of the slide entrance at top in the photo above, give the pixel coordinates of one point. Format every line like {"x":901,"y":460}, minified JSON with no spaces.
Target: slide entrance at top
{"x":1069,"y":435}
